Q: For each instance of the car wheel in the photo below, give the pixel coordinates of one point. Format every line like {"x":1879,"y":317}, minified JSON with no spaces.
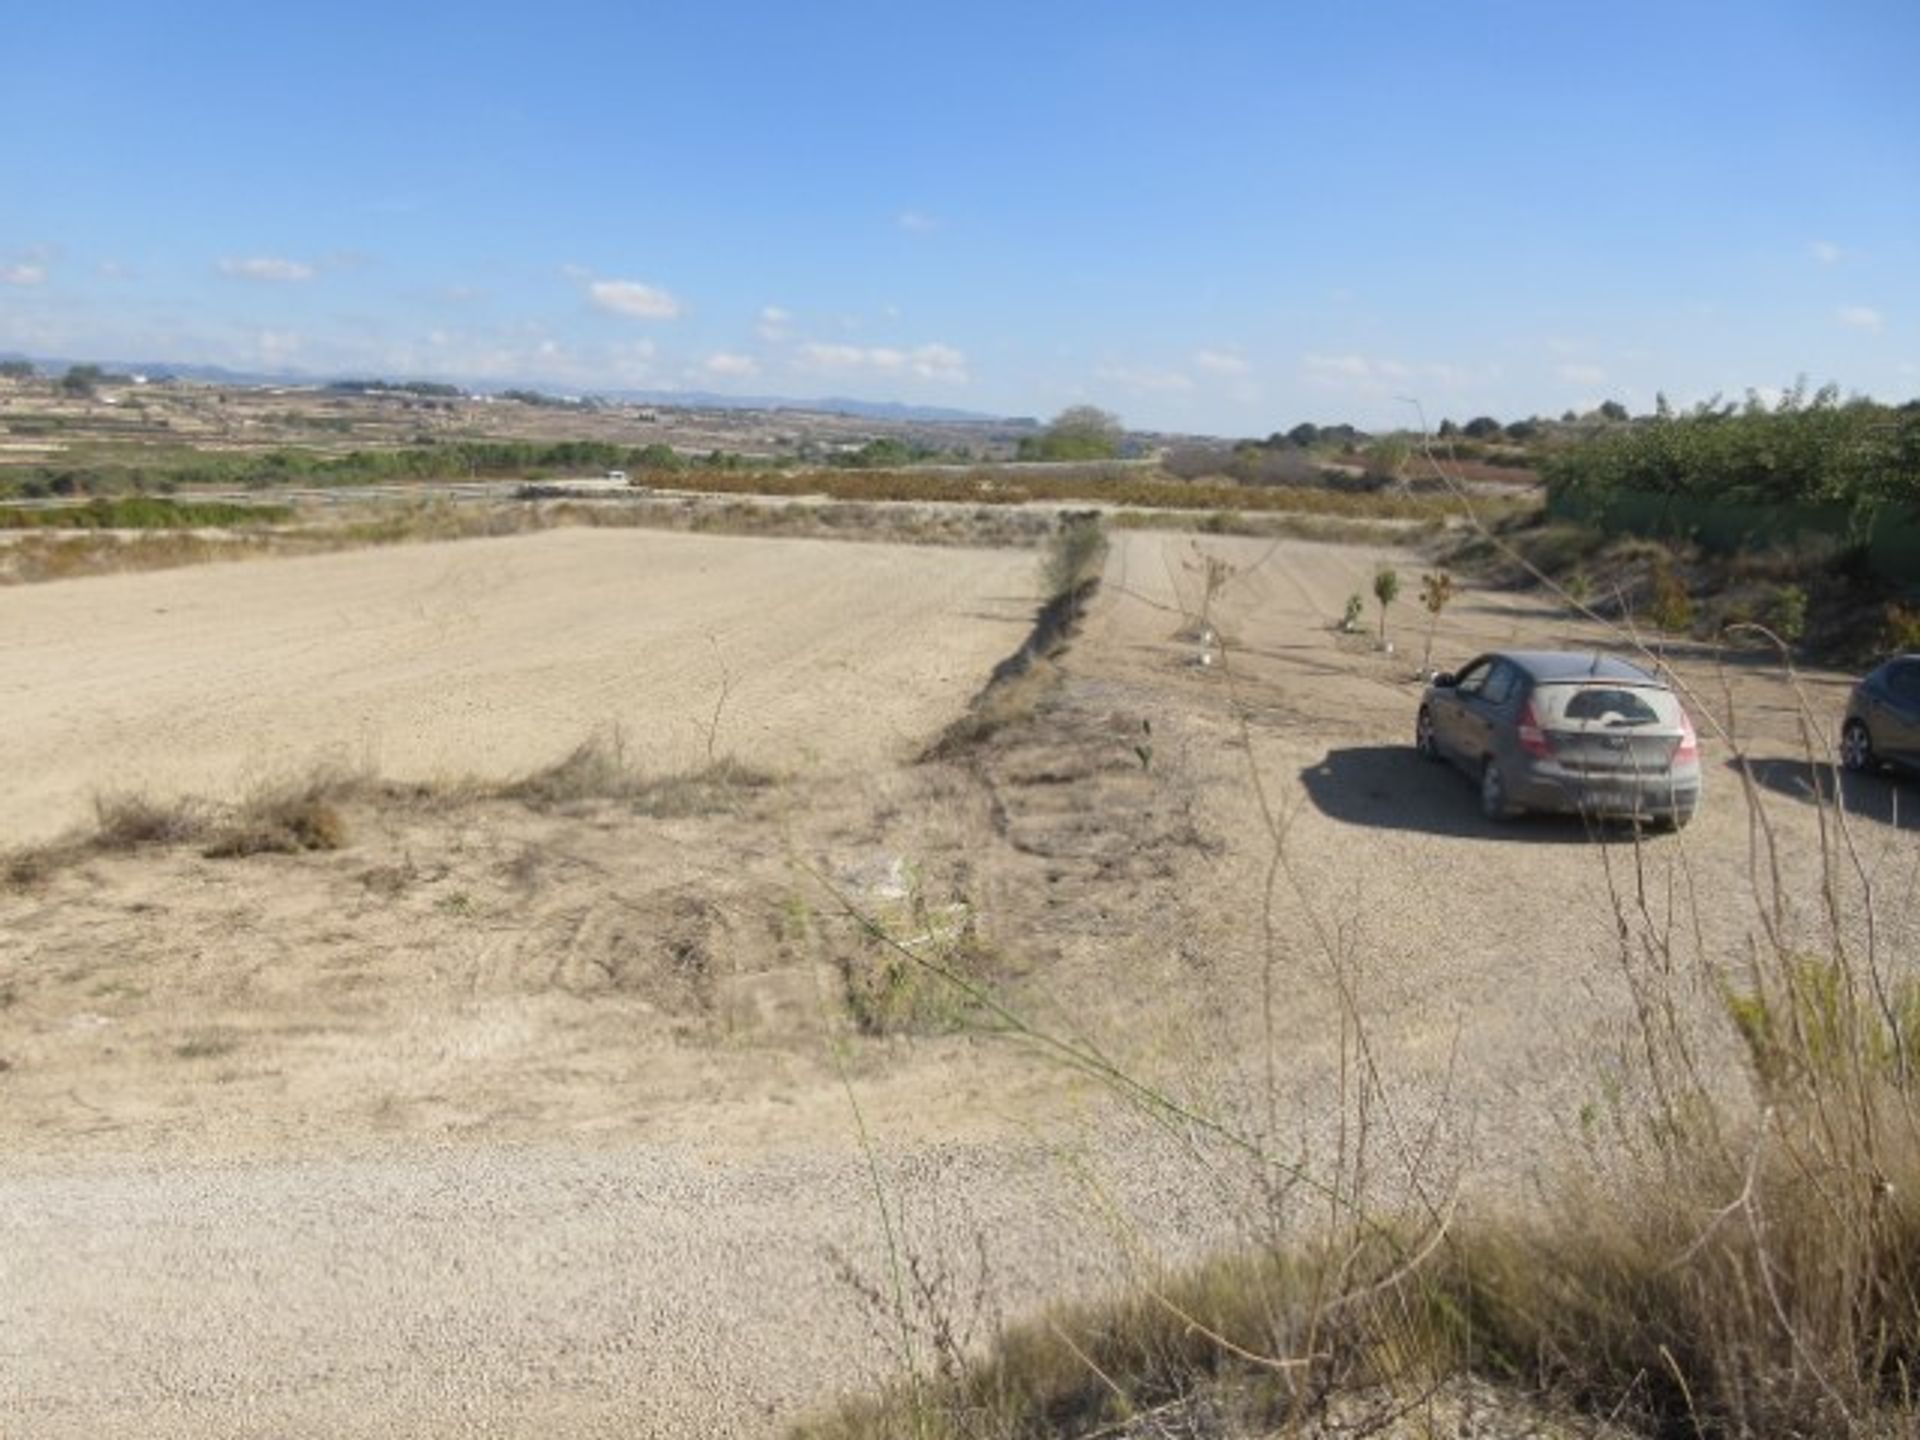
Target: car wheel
{"x":1494,"y":803}
{"x":1423,"y":737}
{"x":1856,"y":748}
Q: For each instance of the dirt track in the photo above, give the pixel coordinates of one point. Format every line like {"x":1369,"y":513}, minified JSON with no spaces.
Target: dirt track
{"x":307,"y":1148}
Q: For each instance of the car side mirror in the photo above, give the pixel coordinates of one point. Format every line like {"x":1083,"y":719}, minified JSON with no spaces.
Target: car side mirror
{"x":1445,"y":680}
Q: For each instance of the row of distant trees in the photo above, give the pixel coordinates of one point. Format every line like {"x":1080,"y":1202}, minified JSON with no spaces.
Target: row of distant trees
{"x":1481,"y":428}
{"x":79,"y":380}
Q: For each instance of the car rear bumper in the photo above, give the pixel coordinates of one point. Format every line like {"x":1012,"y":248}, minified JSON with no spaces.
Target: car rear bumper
{"x":1573,"y":795}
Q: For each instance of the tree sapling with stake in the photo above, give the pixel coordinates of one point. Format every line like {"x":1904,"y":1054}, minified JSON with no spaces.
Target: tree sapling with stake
{"x":1386,"y":589}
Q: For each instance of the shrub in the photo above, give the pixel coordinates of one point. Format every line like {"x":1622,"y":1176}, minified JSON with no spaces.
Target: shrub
{"x":133,"y":821}
{"x":595,"y":769}
{"x":1074,"y":555}
{"x":1901,"y":628}
{"x":286,"y":819}
{"x":899,"y":965}
{"x":1786,"y":613}
{"x":1669,"y":606}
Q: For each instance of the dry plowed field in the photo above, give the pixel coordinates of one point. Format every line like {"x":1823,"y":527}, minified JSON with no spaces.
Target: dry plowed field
{"x":592,"y":1119}
{"x":484,"y":658}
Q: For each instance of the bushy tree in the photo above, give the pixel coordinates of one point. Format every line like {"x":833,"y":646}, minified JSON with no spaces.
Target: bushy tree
{"x":1388,"y":457}
{"x":82,"y":379}
{"x":1613,"y":410}
{"x":656,"y":457}
{"x":1482,"y":427}
{"x":16,"y":369}
{"x":1080,"y":432}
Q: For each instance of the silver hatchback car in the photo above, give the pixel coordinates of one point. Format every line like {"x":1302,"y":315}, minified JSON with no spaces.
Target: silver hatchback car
{"x":1574,"y":732}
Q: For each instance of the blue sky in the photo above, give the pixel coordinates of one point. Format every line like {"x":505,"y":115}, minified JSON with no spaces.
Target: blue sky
{"x":1215,"y":217}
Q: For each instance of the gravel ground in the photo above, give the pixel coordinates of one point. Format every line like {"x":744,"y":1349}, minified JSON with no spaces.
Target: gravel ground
{"x":496,"y":1291}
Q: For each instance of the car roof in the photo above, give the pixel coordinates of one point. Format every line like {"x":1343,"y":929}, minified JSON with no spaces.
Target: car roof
{"x":1549,"y":666}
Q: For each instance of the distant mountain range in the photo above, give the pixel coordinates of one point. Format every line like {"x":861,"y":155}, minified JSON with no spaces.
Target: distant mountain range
{"x":683,"y":399}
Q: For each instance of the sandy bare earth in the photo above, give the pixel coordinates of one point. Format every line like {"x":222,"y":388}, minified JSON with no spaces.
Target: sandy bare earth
{"x":506,"y":1122}
{"x":489,"y":657}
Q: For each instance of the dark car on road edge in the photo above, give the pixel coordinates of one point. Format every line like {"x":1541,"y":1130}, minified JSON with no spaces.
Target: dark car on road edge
{"x":1883,"y":718}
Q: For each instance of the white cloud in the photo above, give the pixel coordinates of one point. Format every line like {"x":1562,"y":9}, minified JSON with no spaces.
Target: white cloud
{"x":24,"y":273}
{"x":726,"y":364}
{"x":917,"y":221}
{"x":1220,"y":362}
{"x":275,"y":347}
{"x":1581,"y":374}
{"x":1161,"y":382}
{"x":932,"y":361}
{"x":938,"y":362}
{"x":1825,"y":251}
{"x":836,"y":357}
{"x":774,"y":323}
{"x":269,"y":269}
{"x":1348,"y":367}
{"x":633,"y":299}
{"x":1861,"y":317}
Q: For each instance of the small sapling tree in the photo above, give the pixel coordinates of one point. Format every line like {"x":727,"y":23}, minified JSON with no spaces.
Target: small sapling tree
{"x":1386,"y":589}
{"x":1436,"y":590}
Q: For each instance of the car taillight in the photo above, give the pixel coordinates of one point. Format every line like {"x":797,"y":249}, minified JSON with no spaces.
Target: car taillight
{"x":1689,"y":747}
{"x":1532,"y":739}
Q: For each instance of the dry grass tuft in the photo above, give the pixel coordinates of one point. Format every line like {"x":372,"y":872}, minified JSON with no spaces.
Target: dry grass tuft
{"x":1002,"y":705}
{"x":288,"y":818}
{"x":709,"y":790}
{"x":131,"y":821}
{"x":207,"y":1045}
{"x":600,"y":769}
{"x":32,"y":866}
{"x":899,"y":963}
{"x":1703,"y":1294}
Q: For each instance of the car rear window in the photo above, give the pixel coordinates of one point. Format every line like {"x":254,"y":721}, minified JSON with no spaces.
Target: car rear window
{"x":1608,"y":706}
